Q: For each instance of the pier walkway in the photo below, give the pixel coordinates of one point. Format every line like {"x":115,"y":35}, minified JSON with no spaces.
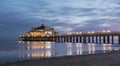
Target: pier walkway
{"x":79,"y":37}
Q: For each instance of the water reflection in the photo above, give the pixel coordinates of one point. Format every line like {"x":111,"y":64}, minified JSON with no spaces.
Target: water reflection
{"x":79,"y":48}
{"x":107,"y":47}
{"x":11,"y":51}
{"x":69,"y":48}
{"x":50,"y":49}
{"x":91,"y":48}
{"x":38,"y":45}
{"x":36,"y":50}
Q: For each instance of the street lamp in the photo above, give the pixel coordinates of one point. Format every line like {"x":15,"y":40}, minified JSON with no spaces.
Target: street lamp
{"x":88,"y":32}
{"x":77,"y":33}
{"x":92,"y":32}
{"x":80,"y":32}
{"x":103,"y":31}
{"x":108,"y":31}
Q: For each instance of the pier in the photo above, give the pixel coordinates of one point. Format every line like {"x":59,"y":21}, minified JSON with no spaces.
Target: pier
{"x":79,"y":37}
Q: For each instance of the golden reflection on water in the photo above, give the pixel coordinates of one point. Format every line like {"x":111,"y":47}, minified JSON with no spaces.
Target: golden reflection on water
{"x":38,"y":45}
{"x":37,"y":50}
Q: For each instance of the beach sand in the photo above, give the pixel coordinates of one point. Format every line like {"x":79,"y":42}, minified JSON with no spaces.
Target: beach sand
{"x":101,"y":59}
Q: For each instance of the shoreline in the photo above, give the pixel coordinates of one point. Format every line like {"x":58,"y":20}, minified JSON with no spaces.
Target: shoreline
{"x":83,"y":53}
{"x":99,"y":59}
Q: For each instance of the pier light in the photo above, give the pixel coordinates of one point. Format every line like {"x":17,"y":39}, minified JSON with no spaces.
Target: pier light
{"x":80,"y":32}
{"x":77,"y":32}
{"x":88,"y":32}
{"x":108,"y":31}
{"x":103,"y":31}
{"x":92,"y":32}
{"x":68,"y":33}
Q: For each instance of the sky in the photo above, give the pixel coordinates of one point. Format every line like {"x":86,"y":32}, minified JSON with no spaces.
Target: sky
{"x":18,"y":16}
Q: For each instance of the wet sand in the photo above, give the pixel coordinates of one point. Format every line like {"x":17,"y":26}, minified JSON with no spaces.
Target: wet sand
{"x":101,"y":59}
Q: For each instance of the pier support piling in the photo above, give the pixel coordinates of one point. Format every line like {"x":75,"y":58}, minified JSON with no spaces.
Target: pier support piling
{"x":92,"y":39}
{"x":119,"y":39}
{"x":108,"y":39}
{"x":73,"y":39}
{"x":112,"y":39}
{"x":70,"y":39}
{"x":104,"y":39}
{"x":100,"y":39}
{"x":80,"y":39}
{"x":96,"y":39}
{"x":88,"y":39}
{"x":77,"y":39}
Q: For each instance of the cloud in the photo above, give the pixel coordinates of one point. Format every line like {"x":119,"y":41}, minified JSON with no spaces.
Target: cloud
{"x":105,"y":25}
{"x":63,"y":29}
{"x":74,"y":15}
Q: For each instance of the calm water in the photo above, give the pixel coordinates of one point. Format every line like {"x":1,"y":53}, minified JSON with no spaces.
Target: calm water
{"x":13,"y":50}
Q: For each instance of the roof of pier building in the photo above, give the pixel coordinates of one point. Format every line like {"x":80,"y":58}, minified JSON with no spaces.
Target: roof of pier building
{"x":42,"y":28}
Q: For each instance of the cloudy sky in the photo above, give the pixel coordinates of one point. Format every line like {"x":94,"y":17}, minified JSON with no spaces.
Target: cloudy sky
{"x":18,"y":16}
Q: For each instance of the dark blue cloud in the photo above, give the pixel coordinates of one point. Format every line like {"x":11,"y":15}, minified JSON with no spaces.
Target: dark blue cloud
{"x":18,"y":16}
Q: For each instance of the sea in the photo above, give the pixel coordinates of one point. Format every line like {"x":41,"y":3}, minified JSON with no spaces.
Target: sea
{"x":12,"y":51}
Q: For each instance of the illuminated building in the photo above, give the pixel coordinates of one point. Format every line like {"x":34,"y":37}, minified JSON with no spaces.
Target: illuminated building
{"x":39,"y":33}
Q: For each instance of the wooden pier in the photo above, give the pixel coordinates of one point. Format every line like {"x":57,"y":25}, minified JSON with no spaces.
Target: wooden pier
{"x":79,"y":37}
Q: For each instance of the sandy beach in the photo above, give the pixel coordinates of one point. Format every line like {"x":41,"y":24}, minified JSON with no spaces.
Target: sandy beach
{"x":101,"y":59}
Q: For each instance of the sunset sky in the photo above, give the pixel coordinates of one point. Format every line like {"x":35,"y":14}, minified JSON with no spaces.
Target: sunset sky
{"x":18,"y":16}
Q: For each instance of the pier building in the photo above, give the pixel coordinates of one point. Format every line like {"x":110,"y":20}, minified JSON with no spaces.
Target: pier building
{"x":38,"y":33}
